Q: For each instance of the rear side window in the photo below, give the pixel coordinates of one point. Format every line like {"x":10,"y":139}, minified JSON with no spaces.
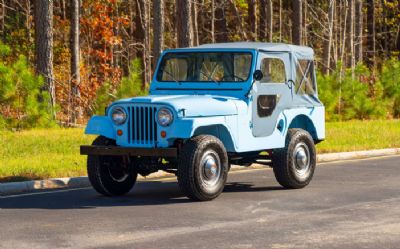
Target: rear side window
{"x":273,"y":70}
{"x":305,"y":82}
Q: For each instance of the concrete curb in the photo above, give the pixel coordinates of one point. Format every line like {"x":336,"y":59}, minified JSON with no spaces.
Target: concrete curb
{"x":83,"y":181}
{"x":329,"y":157}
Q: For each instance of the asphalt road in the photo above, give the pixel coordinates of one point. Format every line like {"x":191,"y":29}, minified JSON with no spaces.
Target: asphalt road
{"x":352,"y":204}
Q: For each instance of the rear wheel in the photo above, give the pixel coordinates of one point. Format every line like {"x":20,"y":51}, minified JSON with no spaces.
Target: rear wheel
{"x":294,"y":165}
{"x":110,"y":175}
{"x":203,"y":168}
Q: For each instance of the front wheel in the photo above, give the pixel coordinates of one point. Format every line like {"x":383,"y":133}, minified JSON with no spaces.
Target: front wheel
{"x":110,"y":175}
{"x":203,"y":168}
{"x":294,"y":165}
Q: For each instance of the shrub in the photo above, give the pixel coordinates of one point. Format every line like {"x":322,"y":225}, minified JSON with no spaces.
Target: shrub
{"x":22,"y":103}
{"x":390,"y":82}
{"x":353,"y":95}
{"x":130,"y":86}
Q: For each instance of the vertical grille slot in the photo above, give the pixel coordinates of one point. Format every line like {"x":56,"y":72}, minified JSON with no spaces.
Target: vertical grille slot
{"x":142,"y":125}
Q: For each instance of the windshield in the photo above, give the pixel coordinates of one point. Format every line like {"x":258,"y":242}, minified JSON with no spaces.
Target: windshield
{"x":205,"y":67}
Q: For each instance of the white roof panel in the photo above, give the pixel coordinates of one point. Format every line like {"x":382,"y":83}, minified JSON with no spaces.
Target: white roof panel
{"x":301,"y":52}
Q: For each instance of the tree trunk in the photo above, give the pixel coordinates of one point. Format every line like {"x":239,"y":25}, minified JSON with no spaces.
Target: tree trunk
{"x":371,"y":33}
{"x":262,"y":30}
{"x":3,"y":18}
{"x":305,"y":24}
{"x":350,"y":34}
{"x":75,"y":53}
{"x":398,"y":34}
{"x":183,"y":23}
{"x":221,"y":28}
{"x":252,"y":21}
{"x":212,"y":30}
{"x":280,"y":20}
{"x":344,"y":33}
{"x":297,"y":22}
{"x":195,"y":27}
{"x":158,"y":23}
{"x":358,"y":31}
{"x":270,"y":18}
{"x":142,"y":34}
{"x":239,"y":20}
{"x":44,"y":45}
{"x":328,"y":42}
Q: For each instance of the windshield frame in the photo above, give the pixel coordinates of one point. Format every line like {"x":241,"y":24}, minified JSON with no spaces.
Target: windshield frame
{"x":196,"y":50}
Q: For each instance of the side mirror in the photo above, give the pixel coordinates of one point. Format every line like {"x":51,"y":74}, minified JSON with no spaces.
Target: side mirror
{"x":258,"y":75}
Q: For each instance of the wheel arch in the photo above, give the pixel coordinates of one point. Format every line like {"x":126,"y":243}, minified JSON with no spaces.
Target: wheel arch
{"x":303,"y":122}
{"x":218,"y":130}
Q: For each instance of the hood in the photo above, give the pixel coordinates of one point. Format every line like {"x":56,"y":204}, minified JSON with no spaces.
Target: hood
{"x":191,"y":105}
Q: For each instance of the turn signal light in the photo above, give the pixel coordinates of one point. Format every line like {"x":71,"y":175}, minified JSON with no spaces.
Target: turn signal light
{"x":163,"y":134}
{"x":119,"y":132}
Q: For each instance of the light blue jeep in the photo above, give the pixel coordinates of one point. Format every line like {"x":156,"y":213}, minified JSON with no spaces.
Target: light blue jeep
{"x":209,"y":107}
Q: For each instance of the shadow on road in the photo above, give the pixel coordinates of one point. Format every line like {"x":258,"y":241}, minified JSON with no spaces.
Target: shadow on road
{"x":144,"y":193}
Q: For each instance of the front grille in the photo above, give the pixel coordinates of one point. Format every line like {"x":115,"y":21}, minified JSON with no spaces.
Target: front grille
{"x":142,"y":126}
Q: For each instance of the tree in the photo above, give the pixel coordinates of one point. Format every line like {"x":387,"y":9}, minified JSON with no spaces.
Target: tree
{"x":44,"y":45}
{"x":270,"y":18}
{"x":183,"y":23}
{"x":75,"y":57}
{"x":239,"y":20}
{"x":371,"y":33}
{"x":195,"y":27}
{"x":297,"y":25}
{"x":143,"y":36}
{"x":350,"y":34}
{"x":158,"y":23}
{"x":221,"y":28}
{"x":328,"y":40}
{"x":358,"y":31}
{"x":251,"y":18}
{"x":266,"y":20}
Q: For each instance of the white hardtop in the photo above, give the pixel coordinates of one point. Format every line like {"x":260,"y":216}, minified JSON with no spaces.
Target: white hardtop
{"x":301,"y":52}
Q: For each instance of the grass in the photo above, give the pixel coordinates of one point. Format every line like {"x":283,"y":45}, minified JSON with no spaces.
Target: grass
{"x":49,"y":153}
{"x":42,"y":153}
{"x":361,"y":135}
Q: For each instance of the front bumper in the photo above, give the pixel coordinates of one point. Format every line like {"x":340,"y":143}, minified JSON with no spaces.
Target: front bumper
{"x":127,"y":151}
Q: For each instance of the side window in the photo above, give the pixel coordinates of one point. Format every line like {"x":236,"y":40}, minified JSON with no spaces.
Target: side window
{"x":305,"y":82}
{"x":273,"y":70}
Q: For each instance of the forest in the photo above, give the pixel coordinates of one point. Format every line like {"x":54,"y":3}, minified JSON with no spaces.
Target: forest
{"x":62,"y":61}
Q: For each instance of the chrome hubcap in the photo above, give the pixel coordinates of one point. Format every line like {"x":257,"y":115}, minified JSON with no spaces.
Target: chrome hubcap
{"x":115,"y":169}
{"x":301,"y":160}
{"x":210,"y":169}
{"x":118,"y":176}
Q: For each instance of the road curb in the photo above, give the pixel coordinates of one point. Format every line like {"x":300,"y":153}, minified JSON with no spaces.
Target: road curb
{"x":83,"y":181}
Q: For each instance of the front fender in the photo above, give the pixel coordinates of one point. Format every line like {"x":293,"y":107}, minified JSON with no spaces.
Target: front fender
{"x":100,"y":125}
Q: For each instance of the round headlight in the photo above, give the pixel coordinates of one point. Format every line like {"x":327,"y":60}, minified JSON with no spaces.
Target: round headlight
{"x":164,"y":117}
{"x":118,"y":115}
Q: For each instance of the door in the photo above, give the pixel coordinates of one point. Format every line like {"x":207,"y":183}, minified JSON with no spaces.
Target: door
{"x":271,"y":94}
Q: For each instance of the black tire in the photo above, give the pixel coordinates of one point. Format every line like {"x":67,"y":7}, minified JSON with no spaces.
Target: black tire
{"x":203,"y":168}
{"x":290,"y":168}
{"x":106,"y":173}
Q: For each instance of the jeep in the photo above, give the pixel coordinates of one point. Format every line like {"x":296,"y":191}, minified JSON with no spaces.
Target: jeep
{"x":209,"y":107}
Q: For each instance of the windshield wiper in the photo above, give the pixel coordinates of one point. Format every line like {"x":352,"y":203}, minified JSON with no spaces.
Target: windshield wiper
{"x":209,"y":77}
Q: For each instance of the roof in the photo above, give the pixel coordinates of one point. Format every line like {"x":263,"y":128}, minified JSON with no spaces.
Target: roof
{"x":301,"y":52}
